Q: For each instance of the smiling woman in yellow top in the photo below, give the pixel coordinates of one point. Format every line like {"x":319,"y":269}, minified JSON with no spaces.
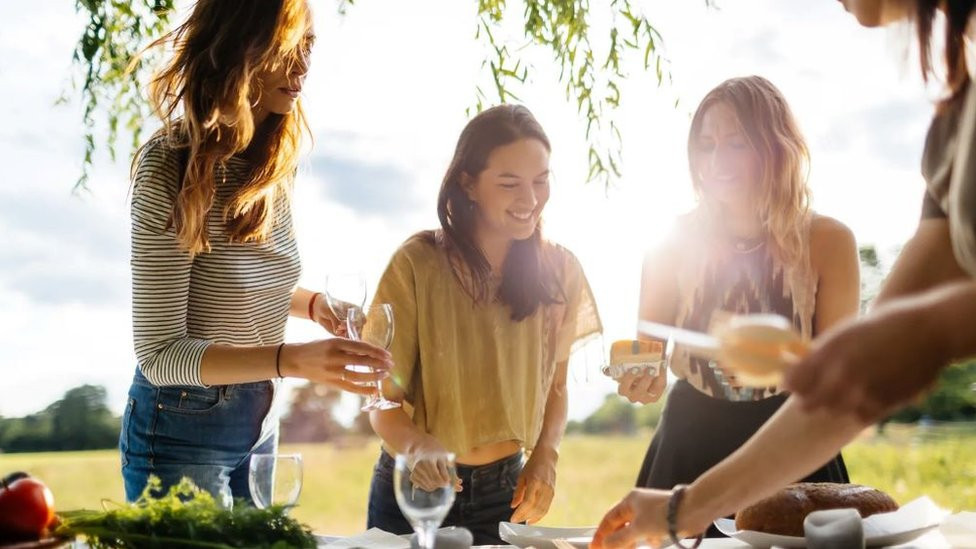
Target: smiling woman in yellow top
{"x":486,"y":313}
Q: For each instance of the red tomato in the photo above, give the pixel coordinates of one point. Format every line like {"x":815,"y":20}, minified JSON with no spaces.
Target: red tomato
{"x":26,"y":507}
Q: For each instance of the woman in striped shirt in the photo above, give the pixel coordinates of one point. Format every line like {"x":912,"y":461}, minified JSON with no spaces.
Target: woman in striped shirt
{"x":214,"y":259}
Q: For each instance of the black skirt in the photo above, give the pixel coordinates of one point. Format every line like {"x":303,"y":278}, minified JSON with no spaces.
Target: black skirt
{"x":697,"y":431}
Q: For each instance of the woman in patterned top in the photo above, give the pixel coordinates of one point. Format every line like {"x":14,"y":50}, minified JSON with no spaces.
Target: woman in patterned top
{"x":861,"y":370}
{"x":751,"y":246}
{"x":214,"y":258}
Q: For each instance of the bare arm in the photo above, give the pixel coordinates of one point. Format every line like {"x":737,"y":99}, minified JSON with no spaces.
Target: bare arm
{"x":833,"y":256}
{"x":301,"y":304}
{"x":322,"y":361}
{"x":537,"y":483}
{"x":557,"y":412}
{"x":792,"y":444}
{"x":896,"y":351}
{"x":400,"y":436}
{"x":926,"y":261}
{"x":795,"y":442}
{"x":658,"y":303}
{"x":300,"y":299}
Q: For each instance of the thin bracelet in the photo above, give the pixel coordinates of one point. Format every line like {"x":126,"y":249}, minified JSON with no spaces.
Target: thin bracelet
{"x":278,"y":360}
{"x":311,"y":304}
{"x":677,"y":493}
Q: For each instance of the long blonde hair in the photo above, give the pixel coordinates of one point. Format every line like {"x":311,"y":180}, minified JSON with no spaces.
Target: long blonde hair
{"x":772,"y":132}
{"x":204,"y":96}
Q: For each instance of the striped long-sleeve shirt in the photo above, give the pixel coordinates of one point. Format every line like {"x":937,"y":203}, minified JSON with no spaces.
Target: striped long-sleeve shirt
{"x":236,"y":294}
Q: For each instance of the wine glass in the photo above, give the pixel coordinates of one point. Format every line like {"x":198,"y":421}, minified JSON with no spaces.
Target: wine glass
{"x":374,"y":325}
{"x":424,"y":509}
{"x":344,"y":291}
{"x":275,"y":479}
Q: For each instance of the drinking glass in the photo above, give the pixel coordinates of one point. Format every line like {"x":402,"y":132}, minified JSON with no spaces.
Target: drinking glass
{"x":374,"y":325}
{"x":344,"y":291}
{"x":275,"y":479}
{"x":425,"y":509}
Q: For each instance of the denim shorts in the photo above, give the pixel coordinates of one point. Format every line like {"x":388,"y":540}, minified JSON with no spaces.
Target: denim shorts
{"x":484,"y":501}
{"x":206,"y":434}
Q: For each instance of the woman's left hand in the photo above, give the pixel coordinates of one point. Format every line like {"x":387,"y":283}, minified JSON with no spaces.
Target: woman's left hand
{"x":636,"y":519}
{"x":536,"y":487}
{"x":323,"y":315}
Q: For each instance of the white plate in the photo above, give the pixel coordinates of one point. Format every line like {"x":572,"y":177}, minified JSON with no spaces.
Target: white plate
{"x":902,"y":526}
{"x":762,"y":539}
{"x":522,"y":535}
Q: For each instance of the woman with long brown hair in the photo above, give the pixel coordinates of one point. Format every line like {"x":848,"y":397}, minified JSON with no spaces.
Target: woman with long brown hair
{"x":752,"y":245}
{"x":486,"y":314}
{"x":214,"y":259}
{"x":863,"y":369}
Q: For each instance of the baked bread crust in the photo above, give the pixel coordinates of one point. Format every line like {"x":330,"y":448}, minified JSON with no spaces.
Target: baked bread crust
{"x":783,"y":512}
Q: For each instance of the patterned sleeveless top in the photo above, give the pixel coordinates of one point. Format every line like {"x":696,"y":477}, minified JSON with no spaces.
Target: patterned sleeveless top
{"x":719,"y":277}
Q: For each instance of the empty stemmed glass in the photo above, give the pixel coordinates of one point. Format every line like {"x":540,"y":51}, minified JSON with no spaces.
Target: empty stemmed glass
{"x":275,"y":479}
{"x":344,"y":291}
{"x":374,"y":325}
{"x":424,"y":499}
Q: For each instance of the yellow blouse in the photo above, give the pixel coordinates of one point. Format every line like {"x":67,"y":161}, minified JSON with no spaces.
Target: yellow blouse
{"x":468,"y":374}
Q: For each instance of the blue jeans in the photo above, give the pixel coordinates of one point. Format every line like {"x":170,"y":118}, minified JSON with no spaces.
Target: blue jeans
{"x":484,"y":501}
{"x":206,"y":434}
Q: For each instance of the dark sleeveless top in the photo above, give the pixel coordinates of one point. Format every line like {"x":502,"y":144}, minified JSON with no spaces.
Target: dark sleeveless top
{"x":717,"y":279}
{"x":707,"y":416}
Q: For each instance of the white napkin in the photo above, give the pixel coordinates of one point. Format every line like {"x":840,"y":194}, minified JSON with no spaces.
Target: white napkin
{"x":374,"y":538}
{"x":960,"y":529}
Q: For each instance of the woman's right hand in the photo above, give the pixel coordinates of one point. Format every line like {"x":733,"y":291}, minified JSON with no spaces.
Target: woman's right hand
{"x":324,"y":361}
{"x":641,"y":387}
{"x":429,"y":468}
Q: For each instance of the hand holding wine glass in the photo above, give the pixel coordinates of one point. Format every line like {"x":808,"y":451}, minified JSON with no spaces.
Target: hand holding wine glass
{"x":343,"y":291}
{"x":425,"y":491}
{"x":373,"y":325}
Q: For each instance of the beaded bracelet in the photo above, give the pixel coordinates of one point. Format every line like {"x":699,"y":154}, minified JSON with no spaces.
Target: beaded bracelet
{"x":676,"y":494}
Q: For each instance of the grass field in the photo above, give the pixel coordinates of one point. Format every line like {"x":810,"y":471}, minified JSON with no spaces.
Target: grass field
{"x":594,"y":472}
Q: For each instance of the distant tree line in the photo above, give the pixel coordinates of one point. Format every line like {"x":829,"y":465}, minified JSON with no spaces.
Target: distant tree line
{"x":81,"y":420}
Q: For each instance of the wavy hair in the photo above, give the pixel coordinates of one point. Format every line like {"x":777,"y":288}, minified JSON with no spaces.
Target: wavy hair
{"x":205,"y":94}
{"x":771,"y":130}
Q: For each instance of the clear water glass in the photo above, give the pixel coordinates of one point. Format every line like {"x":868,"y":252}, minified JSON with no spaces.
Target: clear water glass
{"x":275,"y":479}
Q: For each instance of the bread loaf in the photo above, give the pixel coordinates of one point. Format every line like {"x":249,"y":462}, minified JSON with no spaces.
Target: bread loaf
{"x":783,"y":513}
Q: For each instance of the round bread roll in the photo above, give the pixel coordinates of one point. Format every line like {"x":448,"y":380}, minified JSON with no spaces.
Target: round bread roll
{"x":783,"y":512}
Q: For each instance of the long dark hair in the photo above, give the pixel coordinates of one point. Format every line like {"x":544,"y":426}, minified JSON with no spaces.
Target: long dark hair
{"x":529,"y":276}
{"x":957,"y":15}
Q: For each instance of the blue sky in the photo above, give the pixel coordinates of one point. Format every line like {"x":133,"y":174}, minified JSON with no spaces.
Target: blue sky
{"x":387,"y":96}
